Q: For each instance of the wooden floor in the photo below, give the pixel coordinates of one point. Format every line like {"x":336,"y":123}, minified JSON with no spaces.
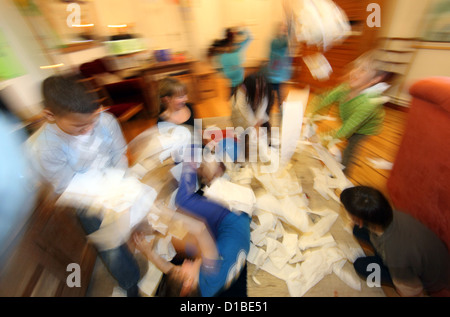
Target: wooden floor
{"x":383,"y":146}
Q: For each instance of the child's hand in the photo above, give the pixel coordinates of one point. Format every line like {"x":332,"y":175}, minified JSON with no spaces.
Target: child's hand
{"x":142,"y":244}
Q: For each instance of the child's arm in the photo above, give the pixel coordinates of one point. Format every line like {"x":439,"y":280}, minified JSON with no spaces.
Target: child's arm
{"x":193,"y":226}
{"x":243,"y":45}
{"x":188,"y":200}
{"x":119,"y":146}
{"x":147,"y":249}
{"x":326,"y":99}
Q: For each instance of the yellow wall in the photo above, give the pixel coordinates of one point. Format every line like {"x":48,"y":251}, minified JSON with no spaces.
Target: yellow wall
{"x":193,"y":27}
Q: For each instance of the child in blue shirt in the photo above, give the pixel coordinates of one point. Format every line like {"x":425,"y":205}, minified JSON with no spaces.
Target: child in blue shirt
{"x":231,"y":55}
{"x":208,"y":276}
{"x":279,"y":67}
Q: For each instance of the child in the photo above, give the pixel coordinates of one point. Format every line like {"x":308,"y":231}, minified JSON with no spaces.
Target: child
{"x":172,"y":98}
{"x":77,"y":137}
{"x":361,"y":114}
{"x":410,"y":256}
{"x":250,"y":102}
{"x":230,"y":55}
{"x":249,"y":111}
{"x":216,"y":270}
{"x":279,"y":67}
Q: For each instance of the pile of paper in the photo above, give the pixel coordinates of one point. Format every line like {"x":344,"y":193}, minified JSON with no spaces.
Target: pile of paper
{"x":293,"y":242}
{"x":288,"y":239}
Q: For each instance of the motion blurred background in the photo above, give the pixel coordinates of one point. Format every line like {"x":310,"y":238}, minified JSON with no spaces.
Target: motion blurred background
{"x":126,"y":46}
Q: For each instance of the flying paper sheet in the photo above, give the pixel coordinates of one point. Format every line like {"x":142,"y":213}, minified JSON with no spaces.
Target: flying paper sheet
{"x":334,"y":167}
{"x":318,"y":65}
{"x":164,"y":248}
{"x":120,"y":201}
{"x":293,"y":109}
{"x":320,"y":22}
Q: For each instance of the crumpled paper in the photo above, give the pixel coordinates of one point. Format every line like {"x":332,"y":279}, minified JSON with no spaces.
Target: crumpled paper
{"x":289,"y":240}
{"x":235,"y":197}
{"x":121,"y":201}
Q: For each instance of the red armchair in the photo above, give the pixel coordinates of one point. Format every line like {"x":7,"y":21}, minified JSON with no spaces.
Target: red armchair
{"x":124,"y":97}
{"x":420,"y":179}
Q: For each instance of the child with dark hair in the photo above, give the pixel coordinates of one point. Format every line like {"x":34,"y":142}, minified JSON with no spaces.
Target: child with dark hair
{"x":410,"y":257}
{"x":78,"y":134}
{"x":77,"y":137}
{"x":250,"y":111}
{"x":230,"y":55}
{"x":250,"y":102}
{"x":217,"y":266}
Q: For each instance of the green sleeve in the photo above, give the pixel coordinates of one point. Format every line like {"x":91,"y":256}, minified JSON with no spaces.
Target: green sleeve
{"x":326,"y":99}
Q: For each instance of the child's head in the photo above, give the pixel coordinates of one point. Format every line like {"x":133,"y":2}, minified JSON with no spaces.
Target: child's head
{"x":208,"y":171}
{"x":172,"y":94}
{"x":257,"y":88}
{"x":281,"y":29}
{"x":363,"y":71}
{"x":182,"y":280}
{"x":69,"y":104}
{"x":367,"y":206}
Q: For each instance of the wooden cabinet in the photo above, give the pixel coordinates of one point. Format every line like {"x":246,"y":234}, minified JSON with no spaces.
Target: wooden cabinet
{"x":36,"y":264}
{"x":361,"y":39}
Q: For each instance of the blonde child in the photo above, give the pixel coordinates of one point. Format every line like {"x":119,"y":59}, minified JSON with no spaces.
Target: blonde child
{"x":360,"y":108}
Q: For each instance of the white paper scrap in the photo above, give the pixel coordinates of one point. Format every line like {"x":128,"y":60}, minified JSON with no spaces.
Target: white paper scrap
{"x":347,"y":275}
{"x":149,"y":283}
{"x":380,"y":163}
{"x":237,"y":198}
{"x":293,"y":109}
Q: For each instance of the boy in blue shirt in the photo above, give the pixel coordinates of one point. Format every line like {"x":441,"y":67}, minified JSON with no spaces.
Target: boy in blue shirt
{"x":214,"y":272}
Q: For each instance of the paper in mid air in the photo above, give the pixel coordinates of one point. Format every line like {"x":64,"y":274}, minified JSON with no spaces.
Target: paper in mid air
{"x":292,"y":121}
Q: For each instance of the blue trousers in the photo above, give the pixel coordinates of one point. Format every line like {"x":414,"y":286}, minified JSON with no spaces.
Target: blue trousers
{"x":119,"y":261}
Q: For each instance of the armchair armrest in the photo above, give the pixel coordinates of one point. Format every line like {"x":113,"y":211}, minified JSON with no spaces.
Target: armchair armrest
{"x":434,"y":90}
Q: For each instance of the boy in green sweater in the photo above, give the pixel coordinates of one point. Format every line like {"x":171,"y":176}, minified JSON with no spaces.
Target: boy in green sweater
{"x":360,"y":106}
